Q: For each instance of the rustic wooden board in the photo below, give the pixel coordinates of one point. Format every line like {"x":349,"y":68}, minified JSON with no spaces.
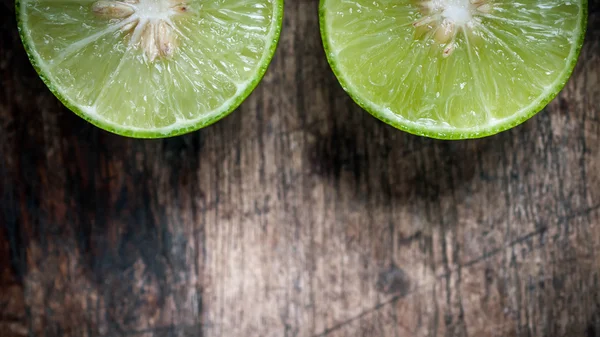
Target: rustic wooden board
{"x":297,"y":215}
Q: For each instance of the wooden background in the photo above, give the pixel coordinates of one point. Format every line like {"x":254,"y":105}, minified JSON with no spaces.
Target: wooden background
{"x":297,"y":215}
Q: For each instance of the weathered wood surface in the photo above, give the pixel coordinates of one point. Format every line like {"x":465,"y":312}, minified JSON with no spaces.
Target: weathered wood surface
{"x":297,"y":215}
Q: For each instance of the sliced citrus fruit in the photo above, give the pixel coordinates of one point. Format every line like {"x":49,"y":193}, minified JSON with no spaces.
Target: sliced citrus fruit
{"x":150,"y":68}
{"x":453,"y":69}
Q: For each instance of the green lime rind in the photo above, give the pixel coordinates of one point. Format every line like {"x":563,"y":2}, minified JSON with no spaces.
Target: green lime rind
{"x":459,"y":134}
{"x":158,"y":132}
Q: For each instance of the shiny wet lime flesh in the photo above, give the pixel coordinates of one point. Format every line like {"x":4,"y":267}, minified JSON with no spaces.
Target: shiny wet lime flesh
{"x":151,"y":68}
{"x":453,"y":68}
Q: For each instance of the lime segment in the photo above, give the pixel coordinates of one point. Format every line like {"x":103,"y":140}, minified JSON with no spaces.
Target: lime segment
{"x":151,"y":68}
{"x":453,"y":68}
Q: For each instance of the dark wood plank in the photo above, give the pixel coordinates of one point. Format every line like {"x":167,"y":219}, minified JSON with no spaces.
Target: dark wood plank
{"x":297,"y":215}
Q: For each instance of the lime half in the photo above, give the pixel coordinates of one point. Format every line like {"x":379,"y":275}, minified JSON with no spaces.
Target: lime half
{"x":453,"y":69}
{"x":150,"y":68}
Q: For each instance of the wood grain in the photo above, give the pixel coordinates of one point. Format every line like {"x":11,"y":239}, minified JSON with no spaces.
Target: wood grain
{"x":297,"y":215}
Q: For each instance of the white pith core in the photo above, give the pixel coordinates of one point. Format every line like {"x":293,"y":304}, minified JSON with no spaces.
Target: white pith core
{"x":443,"y":19}
{"x":147,"y":23}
